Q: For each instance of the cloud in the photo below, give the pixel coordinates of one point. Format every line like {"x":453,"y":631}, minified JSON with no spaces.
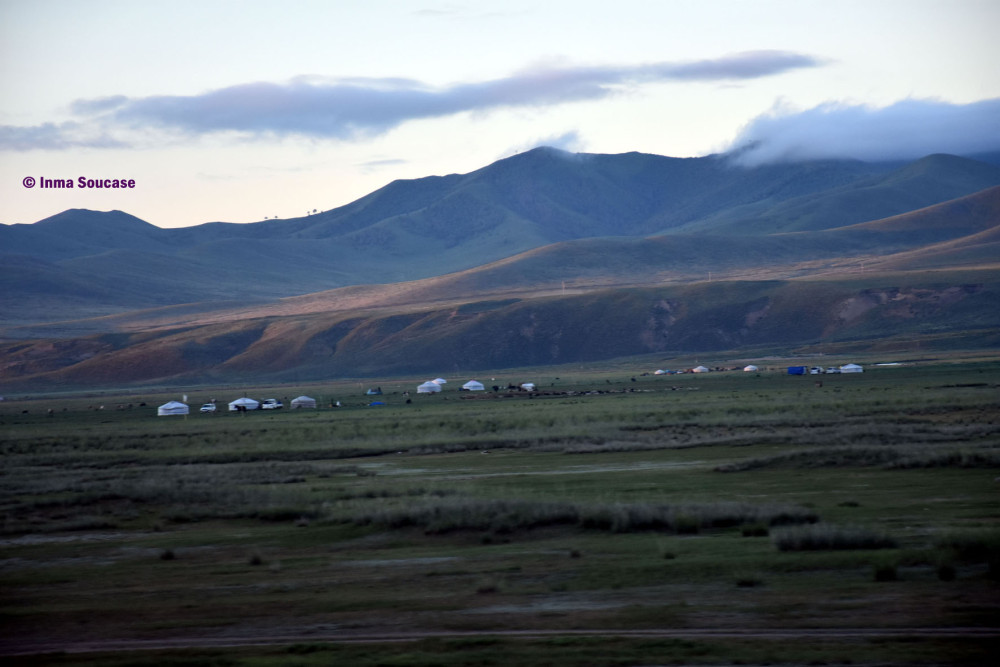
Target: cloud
{"x":355,"y":108}
{"x":54,"y":136}
{"x":374,"y":165}
{"x":570,"y":142}
{"x":97,"y":105}
{"x":746,"y":65}
{"x":905,"y":130}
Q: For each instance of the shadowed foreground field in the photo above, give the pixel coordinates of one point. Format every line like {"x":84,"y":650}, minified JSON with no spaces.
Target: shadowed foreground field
{"x":724,"y":518}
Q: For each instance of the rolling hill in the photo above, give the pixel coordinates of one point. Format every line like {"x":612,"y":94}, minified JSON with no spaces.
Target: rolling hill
{"x":928,"y":181}
{"x":785,"y":316}
{"x":541,"y":258}
{"x":436,"y":225}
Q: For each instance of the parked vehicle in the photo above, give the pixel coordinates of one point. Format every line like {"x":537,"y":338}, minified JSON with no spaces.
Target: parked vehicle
{"x":208,"y":407}
{"x":271,"y":404}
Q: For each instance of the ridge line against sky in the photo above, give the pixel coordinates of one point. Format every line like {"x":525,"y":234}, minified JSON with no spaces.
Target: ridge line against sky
{"x":241,"y":111}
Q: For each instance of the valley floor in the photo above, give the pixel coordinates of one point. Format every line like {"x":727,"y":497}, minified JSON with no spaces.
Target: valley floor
{"x":608,"y":518}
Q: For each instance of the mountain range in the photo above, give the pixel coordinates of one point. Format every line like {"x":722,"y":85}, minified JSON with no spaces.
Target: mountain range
{"x":544,"y":257}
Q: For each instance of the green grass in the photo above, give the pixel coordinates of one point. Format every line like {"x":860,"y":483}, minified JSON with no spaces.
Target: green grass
{"x":577,"y":511}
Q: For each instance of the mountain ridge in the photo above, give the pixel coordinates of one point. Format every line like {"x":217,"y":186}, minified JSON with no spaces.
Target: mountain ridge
{"x":626,"y":261}
{"x":492,"y":267}
{"x":424,"y":227}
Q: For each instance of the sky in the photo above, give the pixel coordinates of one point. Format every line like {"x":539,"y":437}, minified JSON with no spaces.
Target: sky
{"x":238,"y":111}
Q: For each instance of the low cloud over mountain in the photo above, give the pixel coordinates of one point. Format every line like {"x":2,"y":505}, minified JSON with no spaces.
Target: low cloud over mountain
{"x":905,"y":130}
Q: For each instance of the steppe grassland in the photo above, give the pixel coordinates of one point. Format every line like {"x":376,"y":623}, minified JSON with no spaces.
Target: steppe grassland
{"x":731,"y":500}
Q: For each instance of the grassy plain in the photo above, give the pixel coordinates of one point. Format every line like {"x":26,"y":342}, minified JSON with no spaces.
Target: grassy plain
{"x":610,"y":518}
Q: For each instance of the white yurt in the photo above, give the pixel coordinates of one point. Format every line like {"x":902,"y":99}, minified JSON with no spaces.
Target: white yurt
{"x":439,"y":381}
{"x":303,"y":402}
{"x":473,"y":385}
{"x":172,"y":408}
{"x":429,"y":388}
{"x":528,"y":386}
{"x":851,"y":368}
{"x":750,"y":369}
{"x":699,"y":369}
{"x":245,"y":403}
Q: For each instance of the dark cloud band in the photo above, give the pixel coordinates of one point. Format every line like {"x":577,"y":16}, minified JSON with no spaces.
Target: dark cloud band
{"x":352,"y":108}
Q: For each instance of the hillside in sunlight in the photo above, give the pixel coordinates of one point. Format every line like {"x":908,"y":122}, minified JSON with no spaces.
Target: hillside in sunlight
{"x":543,"y":258}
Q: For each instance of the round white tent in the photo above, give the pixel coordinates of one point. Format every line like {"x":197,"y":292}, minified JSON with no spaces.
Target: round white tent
{"x":172,"y":408}
{"x":429,"y":388}
{"x":751,"y":368}
{"x":439,"y":381}
{"x":699,"y":369}
{"x":473,"y":385}
{"x":851,"y":368}
{"x":245,"y":403}
{"x":303,"y":402}
{"x":528,"y":386}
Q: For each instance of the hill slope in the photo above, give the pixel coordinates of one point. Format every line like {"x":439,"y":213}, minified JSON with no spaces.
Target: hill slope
{"x":694,"y":318}
{"x":618,"y":255}
{"x":928,"y":181}
{"x":427,"y":227}
{"x":954,"y":234}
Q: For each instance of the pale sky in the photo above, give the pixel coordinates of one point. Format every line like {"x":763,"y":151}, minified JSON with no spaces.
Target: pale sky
{"x":236,"y":111}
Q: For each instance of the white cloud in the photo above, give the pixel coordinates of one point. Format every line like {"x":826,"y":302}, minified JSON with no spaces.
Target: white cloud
{"x":908,"y":129}
{"x":570,"y":142}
